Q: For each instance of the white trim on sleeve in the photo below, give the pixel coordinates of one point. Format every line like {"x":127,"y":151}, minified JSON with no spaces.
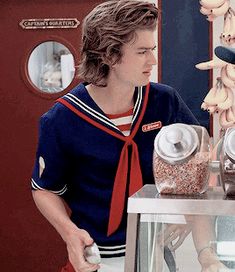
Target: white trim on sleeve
{"x":37,"y":187}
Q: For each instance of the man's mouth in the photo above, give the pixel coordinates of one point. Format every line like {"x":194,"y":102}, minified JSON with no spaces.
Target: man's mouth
{"x":147,"y":72}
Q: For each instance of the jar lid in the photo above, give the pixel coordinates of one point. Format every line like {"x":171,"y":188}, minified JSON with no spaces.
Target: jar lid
{"x":229,"y":143}
{"x":175,"y":143}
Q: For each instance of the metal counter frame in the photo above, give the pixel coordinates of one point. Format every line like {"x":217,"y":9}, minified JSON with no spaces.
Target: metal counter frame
{"x":148,"y":201}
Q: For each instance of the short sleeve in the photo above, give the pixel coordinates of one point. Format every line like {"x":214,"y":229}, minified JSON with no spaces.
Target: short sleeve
{"x":51,"y":163}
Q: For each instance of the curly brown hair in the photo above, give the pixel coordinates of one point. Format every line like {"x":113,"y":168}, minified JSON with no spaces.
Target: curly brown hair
{"x":105,"y":29}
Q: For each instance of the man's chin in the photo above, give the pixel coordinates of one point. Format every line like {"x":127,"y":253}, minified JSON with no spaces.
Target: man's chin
{"x":143,"y":82}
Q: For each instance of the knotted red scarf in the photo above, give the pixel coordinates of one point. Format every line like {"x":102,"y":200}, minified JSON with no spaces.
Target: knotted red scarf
{"x":120,"y":184}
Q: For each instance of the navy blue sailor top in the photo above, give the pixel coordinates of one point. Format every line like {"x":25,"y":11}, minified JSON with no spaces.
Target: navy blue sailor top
{"x":82,"y":156}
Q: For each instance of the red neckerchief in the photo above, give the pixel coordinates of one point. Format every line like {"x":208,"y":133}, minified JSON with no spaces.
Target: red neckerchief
{"x":120,"y":182}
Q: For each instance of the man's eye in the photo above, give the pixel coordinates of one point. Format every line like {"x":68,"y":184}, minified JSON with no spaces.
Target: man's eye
{"x":142,"y":52}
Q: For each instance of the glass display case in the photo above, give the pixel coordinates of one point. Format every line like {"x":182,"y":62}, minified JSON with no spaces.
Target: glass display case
{"x":208,"y":219}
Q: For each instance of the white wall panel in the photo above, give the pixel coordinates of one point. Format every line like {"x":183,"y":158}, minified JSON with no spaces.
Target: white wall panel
{"x":217,"y":30}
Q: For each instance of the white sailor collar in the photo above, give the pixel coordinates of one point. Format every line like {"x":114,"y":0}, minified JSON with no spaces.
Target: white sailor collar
{"x":80,"y":99}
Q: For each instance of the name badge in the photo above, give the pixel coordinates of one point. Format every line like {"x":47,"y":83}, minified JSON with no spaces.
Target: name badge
{"x":151,"y":126}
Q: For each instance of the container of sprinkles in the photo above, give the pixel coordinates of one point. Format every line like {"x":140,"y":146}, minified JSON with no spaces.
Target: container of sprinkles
{"x":181,"y":159}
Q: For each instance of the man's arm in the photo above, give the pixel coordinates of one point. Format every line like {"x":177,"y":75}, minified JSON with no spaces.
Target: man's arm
{"x":203,"y":232}
{"x":53,"y":209}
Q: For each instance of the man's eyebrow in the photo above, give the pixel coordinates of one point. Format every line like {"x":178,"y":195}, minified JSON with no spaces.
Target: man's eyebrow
{"x":147,"y":48}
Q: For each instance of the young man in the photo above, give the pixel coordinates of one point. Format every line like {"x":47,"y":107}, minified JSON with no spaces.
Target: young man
{"x":96,"y":143}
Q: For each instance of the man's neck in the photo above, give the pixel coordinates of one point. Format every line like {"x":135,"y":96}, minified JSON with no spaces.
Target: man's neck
{"x":112,"y":99}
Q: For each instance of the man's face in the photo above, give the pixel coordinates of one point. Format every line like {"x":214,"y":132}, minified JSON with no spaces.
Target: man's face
{"x":138,"y":58}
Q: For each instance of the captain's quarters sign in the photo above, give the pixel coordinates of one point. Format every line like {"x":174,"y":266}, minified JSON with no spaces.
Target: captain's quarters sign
{"x":49,"y":23}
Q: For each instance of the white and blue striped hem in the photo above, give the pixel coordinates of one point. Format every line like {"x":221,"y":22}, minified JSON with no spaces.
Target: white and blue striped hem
{"x":112,"y":251}
{"x":35,"y":186}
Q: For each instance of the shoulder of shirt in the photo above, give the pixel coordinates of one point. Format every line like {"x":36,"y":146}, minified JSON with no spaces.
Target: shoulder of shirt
{"x":159,"y":89}
{"x":58,"y":110}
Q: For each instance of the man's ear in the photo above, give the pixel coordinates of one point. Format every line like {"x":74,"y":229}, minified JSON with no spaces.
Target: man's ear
{"x":107,"y":61}
{"x":111,"y":60}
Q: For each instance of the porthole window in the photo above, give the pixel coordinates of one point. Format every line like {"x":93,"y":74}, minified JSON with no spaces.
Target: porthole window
{"x":51,"y":67}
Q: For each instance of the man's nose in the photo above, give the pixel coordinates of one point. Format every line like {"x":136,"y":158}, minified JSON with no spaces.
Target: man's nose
{"x":152,"y":58}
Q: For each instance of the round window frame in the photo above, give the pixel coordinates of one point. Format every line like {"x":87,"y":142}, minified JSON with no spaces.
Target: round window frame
{"x":25,"y":73}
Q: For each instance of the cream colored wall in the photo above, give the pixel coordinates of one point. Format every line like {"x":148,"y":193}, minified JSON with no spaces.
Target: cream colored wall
{"x":217,"y":30}
{"x":154,"y":74}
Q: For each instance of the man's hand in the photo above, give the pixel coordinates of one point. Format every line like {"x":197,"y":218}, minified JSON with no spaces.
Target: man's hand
{"x":176,"y":232}
{"x":210,"y":263}
{"x":53,"y":208}
{"x":76,"y":242}
{"x":215,"y":266}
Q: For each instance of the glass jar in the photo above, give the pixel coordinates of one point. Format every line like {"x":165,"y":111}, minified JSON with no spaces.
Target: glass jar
{"x":181,"y":159}
{"x":227,"y":162}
